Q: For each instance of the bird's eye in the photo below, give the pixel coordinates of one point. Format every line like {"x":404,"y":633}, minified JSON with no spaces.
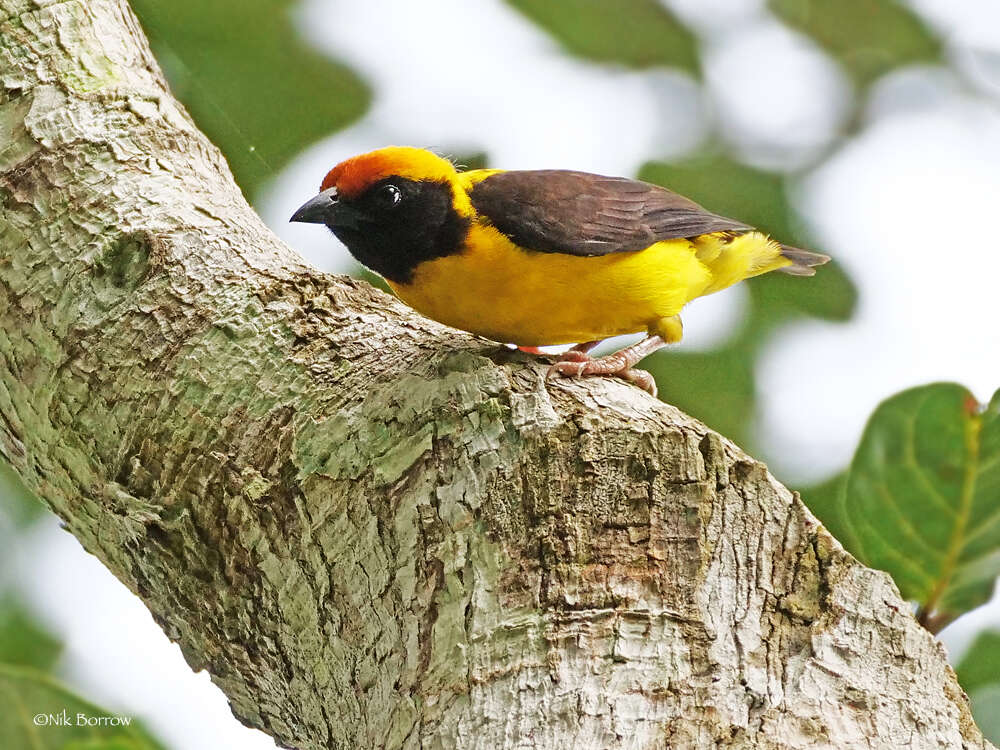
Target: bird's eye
{"x":390,"y":196}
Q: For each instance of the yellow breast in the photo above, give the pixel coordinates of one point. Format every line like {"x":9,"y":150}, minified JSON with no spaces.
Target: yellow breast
{"x":497,"y":290}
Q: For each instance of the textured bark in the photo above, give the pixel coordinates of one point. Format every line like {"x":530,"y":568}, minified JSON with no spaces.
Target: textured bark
{"x":374,"y":531}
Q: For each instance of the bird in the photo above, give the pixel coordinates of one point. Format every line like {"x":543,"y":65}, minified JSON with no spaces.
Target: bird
{"x":541,"y":257}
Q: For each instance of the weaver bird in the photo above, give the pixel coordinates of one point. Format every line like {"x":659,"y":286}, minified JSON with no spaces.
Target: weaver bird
{"x":541,"y":257}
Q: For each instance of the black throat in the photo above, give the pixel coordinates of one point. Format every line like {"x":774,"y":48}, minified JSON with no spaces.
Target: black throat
{"x":393,"y":241}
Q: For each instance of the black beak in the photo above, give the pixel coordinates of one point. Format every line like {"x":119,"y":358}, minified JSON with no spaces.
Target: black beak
{"x":326,"y":209}
{"x":316,"y":210}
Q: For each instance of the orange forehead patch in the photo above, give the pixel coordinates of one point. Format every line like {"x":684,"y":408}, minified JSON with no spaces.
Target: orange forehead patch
{"x":353,"y":176}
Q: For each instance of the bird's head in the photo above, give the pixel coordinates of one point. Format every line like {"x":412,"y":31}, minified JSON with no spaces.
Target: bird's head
{"x":393,"y":208}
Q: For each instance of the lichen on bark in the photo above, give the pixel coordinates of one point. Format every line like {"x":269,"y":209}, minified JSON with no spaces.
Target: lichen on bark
{"x":374,"y":531}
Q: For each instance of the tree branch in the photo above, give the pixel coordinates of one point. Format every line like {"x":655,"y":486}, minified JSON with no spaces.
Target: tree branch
{"x":374,"y":531}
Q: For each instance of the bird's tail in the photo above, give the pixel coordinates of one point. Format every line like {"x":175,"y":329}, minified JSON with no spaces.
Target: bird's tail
{"x":802,"y":261}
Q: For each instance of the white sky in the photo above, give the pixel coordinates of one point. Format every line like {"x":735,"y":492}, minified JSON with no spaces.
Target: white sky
{"x":905,"y":206}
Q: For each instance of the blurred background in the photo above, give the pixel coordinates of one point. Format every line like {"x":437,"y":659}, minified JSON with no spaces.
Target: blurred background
{"x":865,"y":129}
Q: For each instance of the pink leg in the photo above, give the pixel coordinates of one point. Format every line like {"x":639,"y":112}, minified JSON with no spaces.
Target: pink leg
{"x":579,"y":352}
{"x":618,"y":364}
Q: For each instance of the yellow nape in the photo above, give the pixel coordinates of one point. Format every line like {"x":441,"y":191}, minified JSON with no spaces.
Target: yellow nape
{"x":468,"y":180}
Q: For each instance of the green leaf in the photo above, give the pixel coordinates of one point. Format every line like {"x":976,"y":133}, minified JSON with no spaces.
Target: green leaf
{"x":826,"y":501}
{"x":986,"y":710}
{"x":260,"y":97}
{"x":637,"y":33}
{"x":868,"y":37}
{"x":923,"y":498}
{"x":979,"y":675}
{"x":23,"y":641}
{"x":37,"y":712}
{"x":980,"y":666}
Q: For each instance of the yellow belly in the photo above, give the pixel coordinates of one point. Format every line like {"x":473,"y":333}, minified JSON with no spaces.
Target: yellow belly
{"x":496,"y":290}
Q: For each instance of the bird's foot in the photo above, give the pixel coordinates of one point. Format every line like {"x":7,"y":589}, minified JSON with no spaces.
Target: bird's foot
{"x":584,"y":368}
{"x":577,"y":363}
{"x":574,"y":355}
{"x":579,"y":353}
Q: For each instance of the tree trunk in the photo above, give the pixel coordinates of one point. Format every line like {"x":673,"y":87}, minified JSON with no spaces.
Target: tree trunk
{"x":374,"y":531}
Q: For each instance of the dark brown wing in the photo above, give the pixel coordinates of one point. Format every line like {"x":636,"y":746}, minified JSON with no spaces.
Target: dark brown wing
{"x":559,"y":211}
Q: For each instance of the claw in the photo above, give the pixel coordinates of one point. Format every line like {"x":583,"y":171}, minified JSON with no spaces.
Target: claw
{"x":640,"y":378}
